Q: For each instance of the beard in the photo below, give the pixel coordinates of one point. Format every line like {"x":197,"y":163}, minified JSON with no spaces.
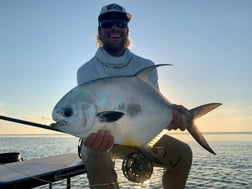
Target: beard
{"x":115,"y":45}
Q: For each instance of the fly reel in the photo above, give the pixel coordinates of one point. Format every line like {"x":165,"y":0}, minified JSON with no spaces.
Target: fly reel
{"x":136,"y":167}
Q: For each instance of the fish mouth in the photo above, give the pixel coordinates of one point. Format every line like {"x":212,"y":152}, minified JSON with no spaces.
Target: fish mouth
{"x":63,"y":126}
{"x":59,"y":124}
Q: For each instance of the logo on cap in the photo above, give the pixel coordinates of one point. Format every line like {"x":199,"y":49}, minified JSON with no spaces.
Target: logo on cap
{"x":113,"y":11}
{"x":114,"y":6}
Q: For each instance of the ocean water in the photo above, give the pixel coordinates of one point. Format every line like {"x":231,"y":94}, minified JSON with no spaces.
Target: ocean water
{"x":231,"y":168}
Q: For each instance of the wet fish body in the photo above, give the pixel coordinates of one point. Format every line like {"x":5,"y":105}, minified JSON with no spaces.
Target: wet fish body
{"x":128,"y":106}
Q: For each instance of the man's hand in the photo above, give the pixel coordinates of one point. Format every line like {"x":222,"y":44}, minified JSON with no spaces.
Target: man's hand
{"x":102,"y":141}
{"x":178,"y":122}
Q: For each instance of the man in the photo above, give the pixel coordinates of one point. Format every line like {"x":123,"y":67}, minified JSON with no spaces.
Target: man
{"x":113,"y":58}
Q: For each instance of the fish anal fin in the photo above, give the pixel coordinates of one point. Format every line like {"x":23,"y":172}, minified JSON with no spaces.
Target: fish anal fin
{"x":109,"y":116}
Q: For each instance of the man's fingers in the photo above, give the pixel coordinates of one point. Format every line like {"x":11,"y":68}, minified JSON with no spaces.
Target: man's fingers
{"x":89,"y":140}
{"x":101,"y":141}
{"x":108,"y":141}
{"x":98,"y":142}
{"x":177,"y":120}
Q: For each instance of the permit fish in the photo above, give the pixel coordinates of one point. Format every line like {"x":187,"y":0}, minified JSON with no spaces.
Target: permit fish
{"x":128,"y":106}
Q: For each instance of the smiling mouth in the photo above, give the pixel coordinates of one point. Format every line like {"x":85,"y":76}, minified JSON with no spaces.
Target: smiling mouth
{"x":117,"y":35}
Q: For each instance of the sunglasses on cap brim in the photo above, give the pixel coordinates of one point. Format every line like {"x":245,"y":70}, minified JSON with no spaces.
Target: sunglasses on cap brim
{"x":109,"y":23}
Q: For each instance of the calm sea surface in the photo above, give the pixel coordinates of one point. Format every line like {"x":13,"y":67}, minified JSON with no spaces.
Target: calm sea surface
{"x":231,"y":168}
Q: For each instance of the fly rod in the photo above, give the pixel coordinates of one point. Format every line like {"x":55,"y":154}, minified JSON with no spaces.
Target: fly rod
{"x":29,"y":123}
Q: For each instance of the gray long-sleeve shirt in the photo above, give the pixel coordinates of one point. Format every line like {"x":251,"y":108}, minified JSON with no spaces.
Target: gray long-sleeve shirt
{"x":95,"y":68}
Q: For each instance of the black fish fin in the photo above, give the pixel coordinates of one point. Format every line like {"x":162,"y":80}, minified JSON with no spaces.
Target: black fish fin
{"x":109,"y":116}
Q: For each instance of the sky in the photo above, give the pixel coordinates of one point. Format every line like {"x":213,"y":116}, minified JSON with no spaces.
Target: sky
{"x":209,"y":43}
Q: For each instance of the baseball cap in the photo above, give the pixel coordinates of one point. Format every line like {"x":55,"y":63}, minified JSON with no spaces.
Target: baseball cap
{"x":114,"y":11}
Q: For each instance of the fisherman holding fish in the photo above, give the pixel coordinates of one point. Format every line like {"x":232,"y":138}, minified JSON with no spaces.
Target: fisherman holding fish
{"x":113,"y":58}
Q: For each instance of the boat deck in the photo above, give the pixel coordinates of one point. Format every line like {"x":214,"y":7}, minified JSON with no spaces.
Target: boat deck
{"x":41,"y":171}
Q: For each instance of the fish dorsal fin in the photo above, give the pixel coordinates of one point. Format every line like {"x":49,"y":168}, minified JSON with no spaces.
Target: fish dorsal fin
{"x":144,"y":73}
{"x":109,"y":116}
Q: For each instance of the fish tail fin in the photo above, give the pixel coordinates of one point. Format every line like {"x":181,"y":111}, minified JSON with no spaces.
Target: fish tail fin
{"x":192,"y":128}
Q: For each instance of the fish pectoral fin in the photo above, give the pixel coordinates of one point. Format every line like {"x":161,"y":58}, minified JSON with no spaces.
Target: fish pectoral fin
{"x":109,"y":116}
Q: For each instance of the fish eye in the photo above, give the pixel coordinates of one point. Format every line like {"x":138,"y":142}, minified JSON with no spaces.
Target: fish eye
{"x":68,"y":112}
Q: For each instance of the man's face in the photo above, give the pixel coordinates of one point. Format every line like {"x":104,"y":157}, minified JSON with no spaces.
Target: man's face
{"x":114,"y":34}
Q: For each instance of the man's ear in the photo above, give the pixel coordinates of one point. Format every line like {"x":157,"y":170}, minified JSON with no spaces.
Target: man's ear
{"x":127,"y":30}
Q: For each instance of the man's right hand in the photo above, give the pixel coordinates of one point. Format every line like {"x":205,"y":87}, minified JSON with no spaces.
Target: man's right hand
{"x":178,"y":122}
{"x":102,"y":141}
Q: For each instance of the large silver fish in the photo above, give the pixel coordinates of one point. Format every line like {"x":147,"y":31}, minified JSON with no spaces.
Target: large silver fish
{"x":128,"y":106}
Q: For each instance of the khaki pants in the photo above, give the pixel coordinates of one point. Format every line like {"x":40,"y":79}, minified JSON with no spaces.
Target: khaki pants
{"x":175,"y":155}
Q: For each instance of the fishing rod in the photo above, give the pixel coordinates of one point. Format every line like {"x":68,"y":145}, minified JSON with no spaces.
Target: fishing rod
{"x":39,"y":125}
